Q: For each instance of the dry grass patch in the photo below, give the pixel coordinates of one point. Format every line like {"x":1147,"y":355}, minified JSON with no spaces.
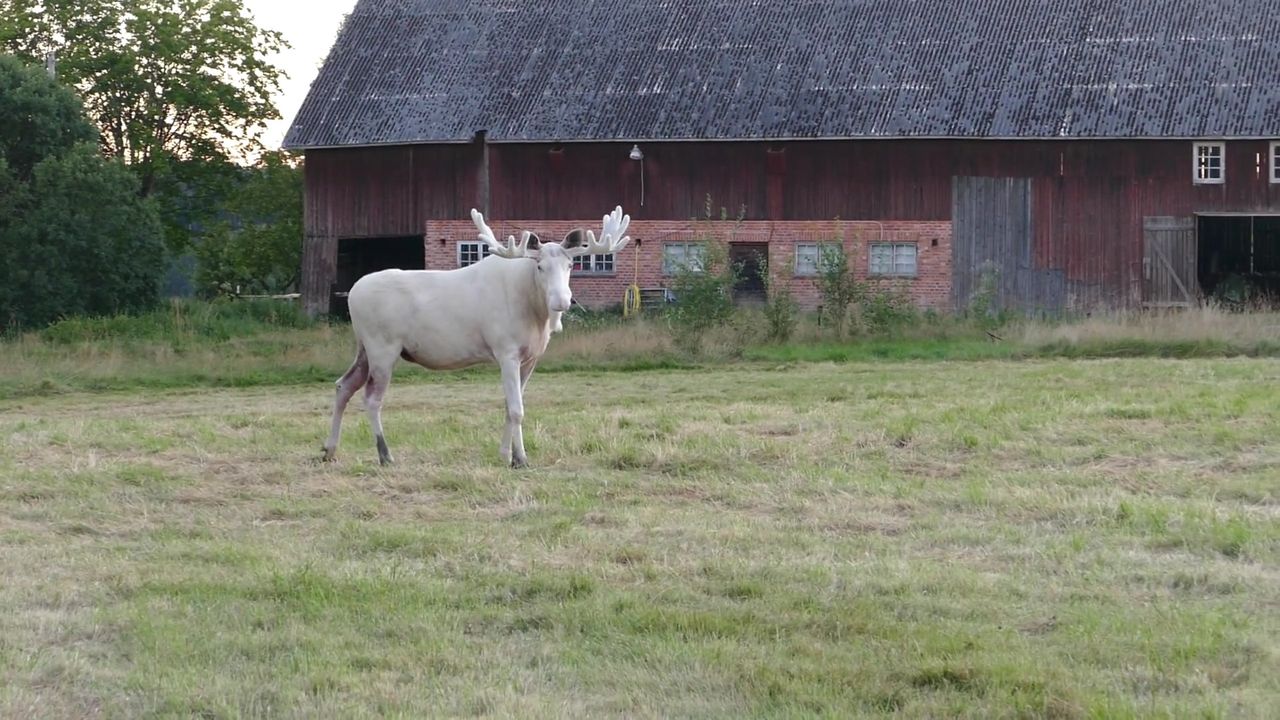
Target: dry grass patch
{"x":1205,"y":325}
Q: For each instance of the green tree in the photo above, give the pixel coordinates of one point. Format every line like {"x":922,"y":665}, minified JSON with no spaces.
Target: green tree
{"x":75,"y":235}
{"x":37,"y":118}
{"x":256,"y":245}
{"x":190,"y":195}
{"x":164,"y":80}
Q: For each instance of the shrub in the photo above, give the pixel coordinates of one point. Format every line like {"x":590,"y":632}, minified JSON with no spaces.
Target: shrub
{"x":886,"y":309}
{"x":781,"y":311}
{"x":984,"y":304}
{"x":703,"y":287}
{"x":839,"y":288}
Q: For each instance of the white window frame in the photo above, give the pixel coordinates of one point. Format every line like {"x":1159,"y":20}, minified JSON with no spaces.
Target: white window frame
{"x":1203,"y":174}
{"x":668,"y":265}
{"x":894,"y":249}
{"x":1275,"y":162}
{"x":819,"y":248}
{"x":602,"y":264}
{"x":482,"y":247}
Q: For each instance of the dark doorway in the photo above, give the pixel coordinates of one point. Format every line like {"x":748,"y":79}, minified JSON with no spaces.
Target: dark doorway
{"x":358,"y":257}
{"x":752,"y":261}
{"x":1238,"y":261}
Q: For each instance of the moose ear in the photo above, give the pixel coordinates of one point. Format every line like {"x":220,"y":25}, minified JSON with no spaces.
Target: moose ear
{"x":574,"y":238}
{"x":534,"y":242}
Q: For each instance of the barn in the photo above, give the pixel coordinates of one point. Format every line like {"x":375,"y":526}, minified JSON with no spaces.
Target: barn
{"x":1065,"y":155}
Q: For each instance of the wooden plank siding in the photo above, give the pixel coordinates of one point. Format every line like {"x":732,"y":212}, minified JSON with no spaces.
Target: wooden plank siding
{"x":1088,"y":197}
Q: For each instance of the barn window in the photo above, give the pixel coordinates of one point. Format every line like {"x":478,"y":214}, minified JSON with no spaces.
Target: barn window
{"x":1210,"y":163}
{"x":676,"y":256}
{"x":809,"y":256}
{"x":470,"y":253}
{"x":896,"y":259}
{"x":1275,"y":161}
{"x":588,"y":264}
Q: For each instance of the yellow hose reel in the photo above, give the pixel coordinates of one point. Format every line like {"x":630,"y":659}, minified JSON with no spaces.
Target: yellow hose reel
{"x":631,"y":297}
{"x":631,"y":300}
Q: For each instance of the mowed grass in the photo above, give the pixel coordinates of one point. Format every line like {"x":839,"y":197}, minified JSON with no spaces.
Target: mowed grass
{"x":1087,"y":539}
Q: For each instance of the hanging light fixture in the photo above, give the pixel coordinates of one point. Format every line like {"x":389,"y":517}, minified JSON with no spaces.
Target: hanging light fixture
{"x":637,"y":154}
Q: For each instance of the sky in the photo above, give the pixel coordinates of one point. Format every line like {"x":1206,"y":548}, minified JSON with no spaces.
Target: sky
{"x":310,"y":27}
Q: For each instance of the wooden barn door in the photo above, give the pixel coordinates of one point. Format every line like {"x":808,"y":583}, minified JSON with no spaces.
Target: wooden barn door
{"x":1169,"y":262}
{"x":992,"y":241}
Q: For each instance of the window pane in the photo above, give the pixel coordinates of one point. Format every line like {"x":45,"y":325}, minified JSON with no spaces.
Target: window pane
{"x":470,"y":253}
{"x":695,"y":256}
{"x":1209,"y":160}
{"x":806,"y":259}
{"x":671,"y":256}
{"x":893,"y":259}
{"x":881,"y":259}
{"x":678,"y":255}
{"x":593,"y":263}
{"x":904,"y":261}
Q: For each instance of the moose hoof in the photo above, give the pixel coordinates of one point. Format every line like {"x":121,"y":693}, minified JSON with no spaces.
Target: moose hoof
{"x":328,"y":456}
{"x":519,"y":463}
{"x":384,"y":454}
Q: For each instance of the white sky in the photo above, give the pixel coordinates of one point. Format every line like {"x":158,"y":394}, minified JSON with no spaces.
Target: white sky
{"x":310,"y":27}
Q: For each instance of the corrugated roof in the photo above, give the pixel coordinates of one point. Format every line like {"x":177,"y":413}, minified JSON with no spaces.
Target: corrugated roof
{"x":412,"y":71}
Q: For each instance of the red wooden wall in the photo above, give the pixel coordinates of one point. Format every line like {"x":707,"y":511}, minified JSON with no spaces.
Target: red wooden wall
{"x":1089,"y":196}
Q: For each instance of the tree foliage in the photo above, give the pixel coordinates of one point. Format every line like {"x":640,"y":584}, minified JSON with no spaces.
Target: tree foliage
{"x":256,"y":244}
{"x":75,"y":236}
{"x":37,"y":118}
{"x":190,"y":195}
{"x":163,"y":80}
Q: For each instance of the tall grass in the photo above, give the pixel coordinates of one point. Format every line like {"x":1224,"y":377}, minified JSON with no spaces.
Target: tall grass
{"x":182,"y":322}
{"x":185,"y":343}
{"x":1204,"y":331}
{"x":265,"y":343}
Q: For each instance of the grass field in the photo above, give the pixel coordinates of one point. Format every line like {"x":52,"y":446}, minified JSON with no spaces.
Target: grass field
{"x":984,"y":539}
{"x":189,"y":344}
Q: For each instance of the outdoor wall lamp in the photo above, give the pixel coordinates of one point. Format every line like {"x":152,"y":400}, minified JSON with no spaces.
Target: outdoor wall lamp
{"x":637,"y":154}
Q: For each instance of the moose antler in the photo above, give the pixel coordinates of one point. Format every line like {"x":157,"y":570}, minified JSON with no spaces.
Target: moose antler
{"x":512,"y":249}
{"x":612,"y":238}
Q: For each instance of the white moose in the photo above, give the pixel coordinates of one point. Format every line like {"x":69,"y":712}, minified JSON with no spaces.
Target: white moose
{"x":502,"y":309}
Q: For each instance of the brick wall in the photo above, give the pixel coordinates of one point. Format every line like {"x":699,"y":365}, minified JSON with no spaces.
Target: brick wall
{"x":642,"y":259}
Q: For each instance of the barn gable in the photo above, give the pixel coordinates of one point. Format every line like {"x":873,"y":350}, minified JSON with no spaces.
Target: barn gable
{"x":438,"y":71}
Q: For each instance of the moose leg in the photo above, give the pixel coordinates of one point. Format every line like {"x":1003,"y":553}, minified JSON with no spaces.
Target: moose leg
{"x":352,"y":380}
{"x":512,"y":448}
{"x":379,"y":378}
{"x":526,"y":369}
